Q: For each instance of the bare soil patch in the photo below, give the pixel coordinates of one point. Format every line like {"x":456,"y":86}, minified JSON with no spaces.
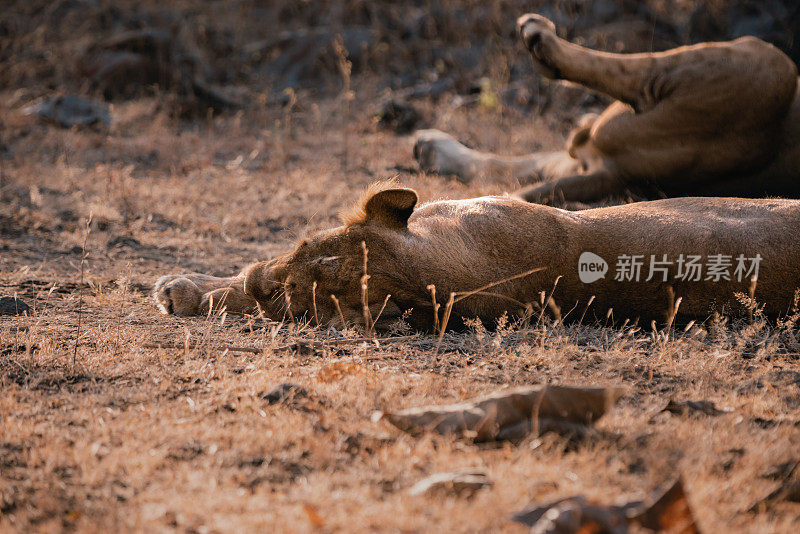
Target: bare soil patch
{"x":102,"y":430}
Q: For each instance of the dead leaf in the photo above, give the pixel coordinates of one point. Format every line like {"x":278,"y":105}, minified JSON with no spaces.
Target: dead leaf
{"x":337,"y":370}
{"x":313,"y":516}
{"x":72,"y":515}
{"x":780,"y":471}
{"x":691,"y":407}
{"x":511,"y":414}
{"x":461,"y":483}
{"x":666,"y":511}
{"x":574,"y":514}
{"x":13,"y":306}
{"x":283,"y":393}
{"x":69,"y":110}
{"x":788,"y":491}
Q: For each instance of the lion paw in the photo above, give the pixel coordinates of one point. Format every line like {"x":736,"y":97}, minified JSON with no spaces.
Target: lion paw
{"x":177,"y":295}
{"x":441,"y":153}
{"x":539,"y":35}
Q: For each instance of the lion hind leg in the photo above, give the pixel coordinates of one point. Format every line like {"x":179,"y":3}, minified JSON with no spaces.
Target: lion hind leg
{"x":746,"y":70}
{"x":439,"y":152}
{"x":621,"y":76}
{"x":578,"y":188}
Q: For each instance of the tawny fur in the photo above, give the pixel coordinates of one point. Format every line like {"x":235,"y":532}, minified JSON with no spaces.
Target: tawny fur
{"x":462,"y":245}
{"x":713,"y":119}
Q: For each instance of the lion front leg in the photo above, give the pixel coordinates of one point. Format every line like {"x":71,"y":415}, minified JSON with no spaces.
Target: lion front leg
{"x":199,"y":294}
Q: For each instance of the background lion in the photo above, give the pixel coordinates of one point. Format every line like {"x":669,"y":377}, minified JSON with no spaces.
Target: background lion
{"x":712,"y":119}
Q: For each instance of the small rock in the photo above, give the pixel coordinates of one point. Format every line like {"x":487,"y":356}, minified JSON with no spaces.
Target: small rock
{"x":13,"y":306}
{"x":465,"y":482}
{"x":399,"y":116}
{"x":783,"y":377}
{"x":780,"y":471}
{"x":285,"y":392}
{"x":691,"y":407}
{"x":68,"y":111}
{"x":788,"y":491}
{"x":123,"y":241}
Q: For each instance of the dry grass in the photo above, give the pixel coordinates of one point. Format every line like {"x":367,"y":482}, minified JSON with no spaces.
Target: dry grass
{"x":134,"y":438}
{"x":137,"y":438}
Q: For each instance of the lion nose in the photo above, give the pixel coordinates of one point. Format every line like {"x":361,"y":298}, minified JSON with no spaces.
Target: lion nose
{"x":260,"y":282}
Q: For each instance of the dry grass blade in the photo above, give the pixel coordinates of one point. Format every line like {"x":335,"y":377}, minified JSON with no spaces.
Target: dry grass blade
{"x":673,"y":313}
{"x":380,"y":312}
{"x":84,"y":256}
{"x":314,"y":301}
{"x":585,"y":309}
{"x":368,"y":323}
{"x":549,"y":302}
{"x":458,"y":296}
{"x":435,"y":304}
{"x":188,"y":347}
{"x":339,"y":310}
{"x":347,"y":95}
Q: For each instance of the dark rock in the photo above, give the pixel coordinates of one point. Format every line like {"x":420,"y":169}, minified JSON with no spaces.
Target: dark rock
{"x":691,"y":407}
{"x":307,"y":57}
{"x":285,"y":392}
{"x":133,"y":62}
{"x":13,"y":306}
{"x":69,"y":110}
{"x":123,"y":241}
{"x":400,"y":116}
{"x":780,"y":471}
{"x":460,"y":483}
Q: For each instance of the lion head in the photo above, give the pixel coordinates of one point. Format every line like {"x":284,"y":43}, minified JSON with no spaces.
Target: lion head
{"x":347,"y":274}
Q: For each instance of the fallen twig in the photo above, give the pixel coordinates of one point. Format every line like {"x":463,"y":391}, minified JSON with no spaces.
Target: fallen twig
{"x":294,"y":344}
{"x":182,"y":346}
{"x":343,"y":341}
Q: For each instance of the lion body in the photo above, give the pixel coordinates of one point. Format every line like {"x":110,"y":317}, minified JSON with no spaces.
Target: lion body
{"x":459,"y":246}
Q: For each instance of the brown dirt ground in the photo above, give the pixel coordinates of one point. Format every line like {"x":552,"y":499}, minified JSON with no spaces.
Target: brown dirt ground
{"x":116,"y":435}
{"x":99,"y":432}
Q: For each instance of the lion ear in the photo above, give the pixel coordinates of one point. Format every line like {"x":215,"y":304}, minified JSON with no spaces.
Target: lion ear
{"x":391,"y":207}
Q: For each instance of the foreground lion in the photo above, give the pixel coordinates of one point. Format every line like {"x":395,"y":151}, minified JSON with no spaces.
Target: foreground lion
{"x":713,"y":119}
{"x":701,"y":250}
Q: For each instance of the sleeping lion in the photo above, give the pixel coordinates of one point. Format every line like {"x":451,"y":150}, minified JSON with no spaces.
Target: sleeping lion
{"x":712,"y":119}
{"x":499,"y":254}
